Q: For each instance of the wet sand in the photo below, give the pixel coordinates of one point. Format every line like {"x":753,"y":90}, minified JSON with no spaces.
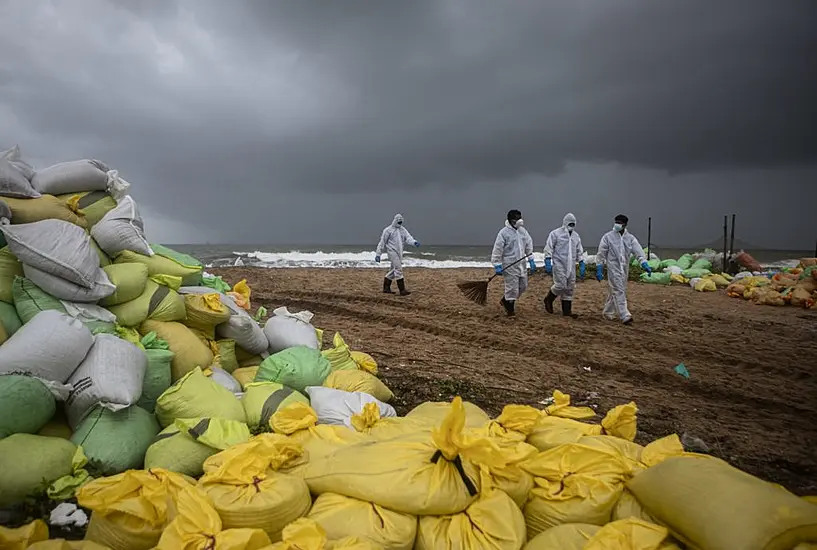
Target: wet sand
{"x":751,"y":398}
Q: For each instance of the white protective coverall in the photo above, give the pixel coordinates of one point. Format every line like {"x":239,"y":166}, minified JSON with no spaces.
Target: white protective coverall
{"x":394,"y":237}
{"x":614,"y":251}
{"x":565,"y":250}
{"x":511,"y":245}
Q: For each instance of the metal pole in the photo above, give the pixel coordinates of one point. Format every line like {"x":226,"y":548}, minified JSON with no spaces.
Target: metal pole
{"x":649,"y":236}
{"x":725,"y":242}
{"x":732,"y":239}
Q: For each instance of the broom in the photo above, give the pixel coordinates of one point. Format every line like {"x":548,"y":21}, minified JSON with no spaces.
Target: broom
{"x":477,"y":291}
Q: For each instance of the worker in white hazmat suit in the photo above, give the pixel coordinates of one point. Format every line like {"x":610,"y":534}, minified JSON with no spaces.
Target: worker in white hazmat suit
{"x":562,"y":251}
{"x":513,"y":244}
{"x":615,"y":249}
{"x":392,"y":240}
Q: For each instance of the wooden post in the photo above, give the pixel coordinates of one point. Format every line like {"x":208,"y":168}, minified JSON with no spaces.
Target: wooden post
{"x":732,"y":238}
{"x":649,"y":236}
{"x":725,"y":242}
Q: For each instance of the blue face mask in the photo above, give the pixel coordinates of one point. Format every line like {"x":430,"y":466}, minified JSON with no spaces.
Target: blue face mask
{"x":618,"y":227}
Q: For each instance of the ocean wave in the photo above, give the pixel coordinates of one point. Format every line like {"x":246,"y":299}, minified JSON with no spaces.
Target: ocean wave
{"x":338,"y":260}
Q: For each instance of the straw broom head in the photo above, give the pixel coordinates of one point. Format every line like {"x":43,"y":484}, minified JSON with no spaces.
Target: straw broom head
{"x":476,"y":291}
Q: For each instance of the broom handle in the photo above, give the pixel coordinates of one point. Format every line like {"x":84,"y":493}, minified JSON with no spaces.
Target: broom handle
{"x":525,"y":257}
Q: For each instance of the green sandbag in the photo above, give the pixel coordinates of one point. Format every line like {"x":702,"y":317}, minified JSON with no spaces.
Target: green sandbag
{"x":157,"y":376}
{"x":29,"y":300}
{"x":10,"y":267}
{"x":702,"y":264}
{"x":184,"y":445}
{"x":162,"y":265}
{"x":179,"y":257}
{"x":26,"y":405}
{"x":655,"y":265}
{"x":93,"y":204}
{"x":116,"y":441}
{"x":668,"y":263}
{"x":226,"y":351}
{"x":216,"y":283}
{"x":157,"y":303}
{"x":695,"y":273}
{"x":28,"y":463}
{"x":296,"y":367}
{"x":104,"y":260}
{"x":9,"y":318}
{"x":262,"y":399}
{"x":656,"y":278}
{"x":685,"y":261}
{"x":130,"y":281}
{"x":197,"y":396}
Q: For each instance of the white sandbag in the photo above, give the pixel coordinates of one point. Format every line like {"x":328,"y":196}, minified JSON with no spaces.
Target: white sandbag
{"x":225,"y":379}
{"x":56,"y":247}
{"x":5,"y":211}
{"x":694,"y":281}
{"x":66,"y":290}
{"x":122,"y":229}
{"x":673,"y":269}
{"x":241,"y":327}
{"x":75,"y":176}
{"x":15,"y":158}
{"x":286,"y":330}
{"x":13,"y":179}
{"x":337,"y":407}
{"x":50,"y":346}
{"x":110,"y":376}
{"x":88,"y":313}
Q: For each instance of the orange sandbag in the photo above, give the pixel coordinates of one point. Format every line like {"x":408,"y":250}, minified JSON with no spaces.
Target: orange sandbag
{"x":801,"y":297}
{"x":735,"y":290}
{"x":747,"y":261}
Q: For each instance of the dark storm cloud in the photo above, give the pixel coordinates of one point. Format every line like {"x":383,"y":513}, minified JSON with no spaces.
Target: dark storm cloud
{"x":238,"y":121}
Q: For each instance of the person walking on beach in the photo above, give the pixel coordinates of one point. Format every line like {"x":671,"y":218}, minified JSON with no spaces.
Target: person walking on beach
{"x":392,"y":240}
{"x":615,"y":249}
{"x":513,"y":244}
{"x":562,"y":250}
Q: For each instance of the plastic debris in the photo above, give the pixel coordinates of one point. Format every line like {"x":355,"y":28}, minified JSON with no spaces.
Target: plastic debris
{"x":682,"y":370}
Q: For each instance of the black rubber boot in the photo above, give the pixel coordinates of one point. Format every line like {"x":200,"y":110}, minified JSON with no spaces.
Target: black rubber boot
{"x":567,"y":309}
{"x":511,"y":307}
{"x":401,"y":285}
{"x":387,"y":286}
{"x":549,"y":299}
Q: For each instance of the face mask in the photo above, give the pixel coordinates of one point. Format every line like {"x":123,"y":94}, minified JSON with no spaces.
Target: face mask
{"x":570,"y":228}
{"x":518,"y":223}
{"x":618,"y":227}
{"x":400,"y":222}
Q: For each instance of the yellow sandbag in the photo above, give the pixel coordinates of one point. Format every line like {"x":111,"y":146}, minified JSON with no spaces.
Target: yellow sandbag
{"x":769,"y":298}
{"x":339,"y":355}
{"x":359,"y":381}
{"x":248,"y":490}
{"x":517,"y":422}
{"x":183,"y":446}
{"x":198,"y":527}
{"x":300,"y":422}
{"x":438,"y":473}
{"x":801,"y":297}
{"x":46,"y":207}
{"x":205,"y":312}
{"x":638,"y":457}
{"x":131,"y":509}
{"x":720,"y":280}
{"x":573,"y":484}
{"x":189,"y":351}
{"x":707,"y":503}
{"x":629,"y":507}
{"x":10,"y":267}
{"x":306,"y":534}
{"x":91,"y":204}
{"x":262,"y":399}
{"x":226,"y":354}
{"x":369,"y":422}
{"x":364,"y":361}
{"x":245,"y":375}
{"x":706,"y":285}
{"x":197,"y":396}
{"x":161,"y":265}
{"x":3,"y":334}
{"x":433,"y":413}
{"x":630,"y":534}
{"x":157,"y":303}
{"x":341,"y":516}
{"x":678,"y":278}
{"x":21,"y":537}
{"x":244,"y":292}
{"x":492,"y":521}
{"x":552,"y":431}
{"x":62,"y":544}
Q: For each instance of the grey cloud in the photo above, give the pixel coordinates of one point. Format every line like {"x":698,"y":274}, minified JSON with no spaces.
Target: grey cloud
{"x":264,"y":112}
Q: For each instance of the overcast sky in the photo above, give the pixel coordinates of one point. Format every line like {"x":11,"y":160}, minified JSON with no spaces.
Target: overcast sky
{"x":294,"y":122}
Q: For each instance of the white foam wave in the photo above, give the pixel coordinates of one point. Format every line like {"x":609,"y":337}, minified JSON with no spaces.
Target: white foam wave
{"x":321,"y":259}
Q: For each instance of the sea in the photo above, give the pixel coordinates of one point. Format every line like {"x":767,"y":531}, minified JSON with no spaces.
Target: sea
{"x":434,"y":257}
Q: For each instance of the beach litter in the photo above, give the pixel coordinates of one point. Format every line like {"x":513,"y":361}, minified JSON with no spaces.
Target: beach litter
{"x":682,"y":370}
{"x":160,"y":412}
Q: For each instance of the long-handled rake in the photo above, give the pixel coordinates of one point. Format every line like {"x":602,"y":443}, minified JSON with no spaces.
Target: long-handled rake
{"x":477,"y":291}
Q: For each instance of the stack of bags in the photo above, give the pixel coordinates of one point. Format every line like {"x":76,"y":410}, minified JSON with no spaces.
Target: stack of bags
{"x":796,"y":287}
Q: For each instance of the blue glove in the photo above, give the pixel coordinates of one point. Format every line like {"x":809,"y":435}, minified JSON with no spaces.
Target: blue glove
{"x":582,"y":269}
{"x":548,"y":266}
{"x":377,"y":258}
{"x":498,"y":269}
{"x":599,"y":272}
{"x":532,"y":265}
{"x":417,"y":244}
{"x":646,"y":267}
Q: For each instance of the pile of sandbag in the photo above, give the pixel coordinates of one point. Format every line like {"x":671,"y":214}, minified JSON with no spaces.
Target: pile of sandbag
{"x":796,"y":287}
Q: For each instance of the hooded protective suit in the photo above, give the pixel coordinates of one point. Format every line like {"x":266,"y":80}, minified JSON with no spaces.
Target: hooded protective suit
{"x":394,"y":237}
{"x":565,"y":250}
{"x":614,"y":251}
{"x":512,"y":244}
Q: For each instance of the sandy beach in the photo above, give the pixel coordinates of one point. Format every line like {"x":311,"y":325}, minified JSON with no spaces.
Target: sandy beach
{"x":751,"y":397}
